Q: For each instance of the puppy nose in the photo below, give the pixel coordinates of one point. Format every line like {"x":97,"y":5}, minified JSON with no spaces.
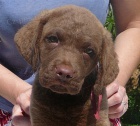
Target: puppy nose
{"x":64,"y":72}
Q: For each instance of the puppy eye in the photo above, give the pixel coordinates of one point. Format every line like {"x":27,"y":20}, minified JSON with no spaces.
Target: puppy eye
{"x":90,"y":52}
{"x":52,"y":39}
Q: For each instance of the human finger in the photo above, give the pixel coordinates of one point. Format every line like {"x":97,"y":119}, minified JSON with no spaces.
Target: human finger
{"x":117,"y":97}
{"x":118,"y":110}
{"x":24,"y":101}
{"x":18,"y":119}
{"x":112,"y":89}
{"x":119,"y":114}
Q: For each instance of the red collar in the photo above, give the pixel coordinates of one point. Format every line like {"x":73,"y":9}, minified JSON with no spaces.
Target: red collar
{"x":96,"y":108}
{"x":115,"y":122}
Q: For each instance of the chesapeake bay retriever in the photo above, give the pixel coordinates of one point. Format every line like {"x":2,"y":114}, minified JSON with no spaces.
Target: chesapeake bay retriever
{"x":74,"y":57}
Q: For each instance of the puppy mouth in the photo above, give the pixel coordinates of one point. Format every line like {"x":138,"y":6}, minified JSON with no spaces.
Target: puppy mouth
{"x":58,"y":88}
{"x":61,"y":89}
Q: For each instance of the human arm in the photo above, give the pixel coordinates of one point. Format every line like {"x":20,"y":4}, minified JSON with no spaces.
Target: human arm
{"x":127,"y":44}
{"x":17,"y":92}
{"x":11,"y":86}
{"x":127,"y":47}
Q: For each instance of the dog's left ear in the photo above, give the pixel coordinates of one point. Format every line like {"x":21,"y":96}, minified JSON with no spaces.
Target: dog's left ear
{"x":108,"y":62}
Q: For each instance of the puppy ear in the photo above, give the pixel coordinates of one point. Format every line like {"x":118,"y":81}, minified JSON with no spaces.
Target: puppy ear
{"x":108,"y":62}
{"x":27,"y":39}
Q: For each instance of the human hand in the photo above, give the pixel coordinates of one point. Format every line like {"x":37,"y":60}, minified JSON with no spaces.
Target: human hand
{"x":117,"y":100}
{"x":20,"y":113}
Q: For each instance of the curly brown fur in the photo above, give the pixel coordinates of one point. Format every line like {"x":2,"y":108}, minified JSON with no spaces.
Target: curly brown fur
{"x":64,"y":46}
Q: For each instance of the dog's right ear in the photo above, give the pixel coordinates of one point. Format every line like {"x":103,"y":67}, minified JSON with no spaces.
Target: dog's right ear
{"x":108,"y":63}
{"x":27,"y":39}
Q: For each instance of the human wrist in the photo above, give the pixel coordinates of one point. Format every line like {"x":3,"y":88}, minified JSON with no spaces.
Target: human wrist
{"x":21,"y":88}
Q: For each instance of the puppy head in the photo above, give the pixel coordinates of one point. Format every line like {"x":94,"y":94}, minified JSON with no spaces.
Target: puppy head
{"x":65,"y":45}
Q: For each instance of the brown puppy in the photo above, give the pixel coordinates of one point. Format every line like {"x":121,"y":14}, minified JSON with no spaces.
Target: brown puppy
{"x":71,"y":51}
